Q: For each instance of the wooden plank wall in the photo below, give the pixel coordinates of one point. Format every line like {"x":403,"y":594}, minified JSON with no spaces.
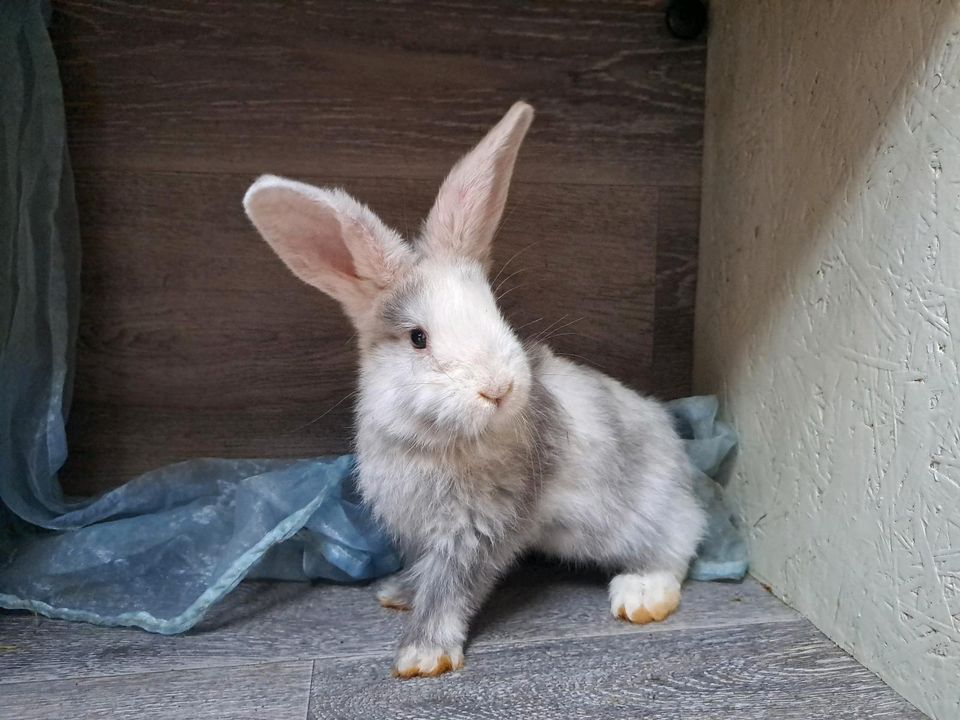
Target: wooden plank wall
{"x":195,"y":341}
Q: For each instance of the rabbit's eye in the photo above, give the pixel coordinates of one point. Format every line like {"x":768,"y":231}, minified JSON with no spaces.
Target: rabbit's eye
{"x":418,"y":338}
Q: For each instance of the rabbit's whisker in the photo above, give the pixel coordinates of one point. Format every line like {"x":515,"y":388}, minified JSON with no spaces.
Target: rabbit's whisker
{"x":512,"y":258}
{"x":320,"y":417}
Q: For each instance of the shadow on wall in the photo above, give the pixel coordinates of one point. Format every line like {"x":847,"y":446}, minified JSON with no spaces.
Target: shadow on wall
{"x":829,"y":272}
{"x":804,"y":100}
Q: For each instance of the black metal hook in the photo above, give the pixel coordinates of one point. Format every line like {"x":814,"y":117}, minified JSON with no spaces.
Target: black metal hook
{"x":686,"y":19}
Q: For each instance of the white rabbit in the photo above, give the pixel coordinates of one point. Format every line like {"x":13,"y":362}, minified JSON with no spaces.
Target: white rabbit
{"x":473,"y":447}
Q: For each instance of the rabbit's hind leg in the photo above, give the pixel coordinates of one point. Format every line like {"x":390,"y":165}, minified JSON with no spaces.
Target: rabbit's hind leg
{"x":643,"y":597}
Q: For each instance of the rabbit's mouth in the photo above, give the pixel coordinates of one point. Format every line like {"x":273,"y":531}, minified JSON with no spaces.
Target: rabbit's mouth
{"x":495,"y":395}
{"x":471,"y":420}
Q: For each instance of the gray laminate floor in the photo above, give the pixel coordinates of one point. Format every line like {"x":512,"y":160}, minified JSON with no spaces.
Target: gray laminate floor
{"x":545,"y":647}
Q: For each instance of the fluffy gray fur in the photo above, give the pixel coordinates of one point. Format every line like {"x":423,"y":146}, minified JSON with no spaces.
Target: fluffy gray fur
{"x":474,"y":448}
{"x":612,"y":490}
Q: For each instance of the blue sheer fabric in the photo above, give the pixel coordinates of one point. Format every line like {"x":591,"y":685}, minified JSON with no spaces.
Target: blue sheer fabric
{"x":160,"y":550}
{"x":723,"y":553}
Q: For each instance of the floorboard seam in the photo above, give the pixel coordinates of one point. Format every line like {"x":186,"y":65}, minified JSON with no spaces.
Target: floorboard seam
{"x":306,"y":705}
{"x":479,"y":646}
{"x":647,"y":632}
{"x":95,"y":169}
{"x":161,"y":671}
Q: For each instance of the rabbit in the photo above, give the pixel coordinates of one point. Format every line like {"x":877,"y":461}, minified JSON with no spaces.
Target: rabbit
{"x":472,"y":446}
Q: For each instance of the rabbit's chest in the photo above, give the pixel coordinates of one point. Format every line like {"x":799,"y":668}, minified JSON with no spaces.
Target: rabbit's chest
{"x":421,"y":498}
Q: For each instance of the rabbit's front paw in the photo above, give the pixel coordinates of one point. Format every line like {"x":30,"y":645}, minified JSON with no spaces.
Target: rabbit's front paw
{"x":426,"y":661}
{"x":641,"y":598}
{"x":394,"y":594}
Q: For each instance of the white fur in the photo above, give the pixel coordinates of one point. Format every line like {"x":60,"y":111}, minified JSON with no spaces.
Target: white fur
{"x":655,"y":592}
{"x":470,"y":202}
{"x":478,"y":448}
{"x":471,"y":349}
{"x":424,"y":660}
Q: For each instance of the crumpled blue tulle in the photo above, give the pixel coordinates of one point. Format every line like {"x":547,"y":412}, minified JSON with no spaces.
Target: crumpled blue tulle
{"x":159,"y":551}
{"x":708,"y":441}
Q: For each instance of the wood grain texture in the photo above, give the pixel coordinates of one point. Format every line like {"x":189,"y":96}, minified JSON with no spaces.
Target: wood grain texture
{"x":261,"y":622}
{"x":545,"y":647}
{"x":786,"y":671}
{"x":195,"y":341}
{"x":379,"y":89}
{"x":678,"y":227}
{"x":274,"y":691}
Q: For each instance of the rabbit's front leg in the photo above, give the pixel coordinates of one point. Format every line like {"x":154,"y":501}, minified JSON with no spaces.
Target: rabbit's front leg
{"x":451,"y":583}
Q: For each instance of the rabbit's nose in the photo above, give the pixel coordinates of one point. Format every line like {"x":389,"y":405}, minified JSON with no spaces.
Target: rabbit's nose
{"x":495,"y":393}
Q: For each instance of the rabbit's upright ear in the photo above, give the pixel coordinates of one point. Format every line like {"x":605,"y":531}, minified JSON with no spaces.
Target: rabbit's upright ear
{"x":470,"y":203}
{"x":328,"y":240}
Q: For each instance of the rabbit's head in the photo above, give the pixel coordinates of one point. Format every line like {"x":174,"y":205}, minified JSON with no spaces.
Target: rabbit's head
{"x":438,"y":358}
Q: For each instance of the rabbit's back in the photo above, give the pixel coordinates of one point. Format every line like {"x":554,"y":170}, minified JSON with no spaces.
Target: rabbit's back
{"x":621,"y":481}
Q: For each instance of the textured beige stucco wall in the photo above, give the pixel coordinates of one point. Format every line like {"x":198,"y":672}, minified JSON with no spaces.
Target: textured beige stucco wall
{"x":828,"y":316}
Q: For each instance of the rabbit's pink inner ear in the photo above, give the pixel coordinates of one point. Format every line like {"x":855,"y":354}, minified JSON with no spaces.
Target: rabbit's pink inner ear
{"x":307,"y":235}
{"x":471,"y":200}
{"x":328,"y":240}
